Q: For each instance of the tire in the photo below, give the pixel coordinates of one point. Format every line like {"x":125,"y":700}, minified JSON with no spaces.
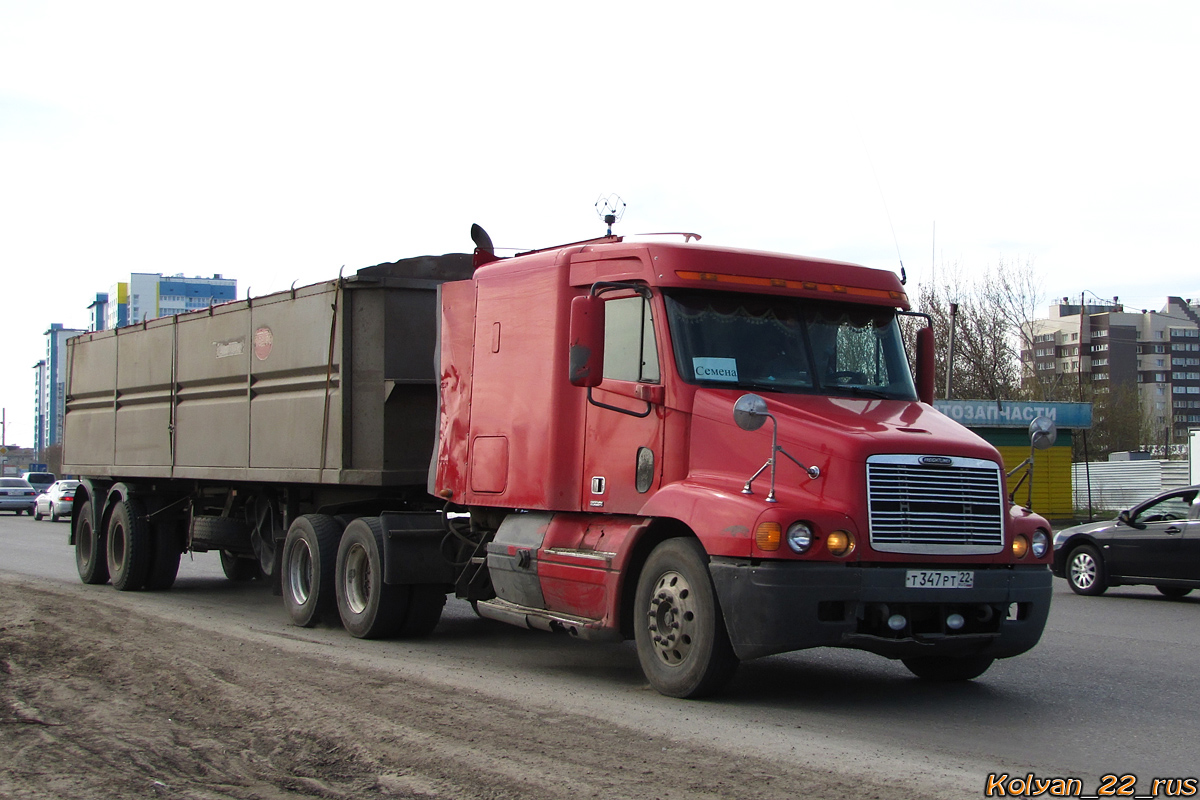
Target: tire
{"x":947,"y":669}
{"x":1173,"y":592}
{"x":128,"y":546}
{"x":309,"y":563}
{"x":369,"y":608}
{"x":53,"y":513}
{"x":237,"y":568}
{"x":37,"y":514}
{"x":682,"y":642}
{"x":1085,"y":571}
{"x":218,"y":533}
{"x":90,"y":549}
{"x":424,"y":611}
{"x":164,"y":561}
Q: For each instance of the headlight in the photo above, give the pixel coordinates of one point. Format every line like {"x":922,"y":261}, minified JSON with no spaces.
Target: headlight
{"x":799,"y":537}
{"x":1041,"y":543}
{"x":1060,"y":538}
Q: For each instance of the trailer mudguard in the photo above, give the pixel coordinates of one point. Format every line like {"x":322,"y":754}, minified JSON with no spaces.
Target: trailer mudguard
{"x":412,"y":549}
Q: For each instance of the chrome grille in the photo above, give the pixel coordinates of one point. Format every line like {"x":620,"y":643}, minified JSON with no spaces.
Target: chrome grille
{"x":935,"y":505}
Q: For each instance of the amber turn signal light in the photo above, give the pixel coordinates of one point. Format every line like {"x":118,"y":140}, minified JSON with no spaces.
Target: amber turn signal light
{"x":768,"y":535}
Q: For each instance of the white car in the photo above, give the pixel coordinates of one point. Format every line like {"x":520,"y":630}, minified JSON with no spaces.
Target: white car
{"x":56,"y":501}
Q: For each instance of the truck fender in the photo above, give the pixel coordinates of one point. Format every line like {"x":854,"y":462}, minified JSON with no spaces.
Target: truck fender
{"x":728,"y":517}
{"x":97,"y":493}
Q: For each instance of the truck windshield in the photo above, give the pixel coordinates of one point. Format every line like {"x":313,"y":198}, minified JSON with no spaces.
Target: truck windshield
{"x":786,"y":344}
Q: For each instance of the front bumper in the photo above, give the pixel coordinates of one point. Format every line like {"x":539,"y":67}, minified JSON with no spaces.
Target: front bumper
{"x":777,"y":607}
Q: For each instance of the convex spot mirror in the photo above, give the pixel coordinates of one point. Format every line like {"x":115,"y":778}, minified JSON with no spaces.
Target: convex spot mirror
{"x":1042,"y":432}
{"x":750,"y":412}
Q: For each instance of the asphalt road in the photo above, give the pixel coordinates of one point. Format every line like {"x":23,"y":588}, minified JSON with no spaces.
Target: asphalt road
{"x":1112,"y":688}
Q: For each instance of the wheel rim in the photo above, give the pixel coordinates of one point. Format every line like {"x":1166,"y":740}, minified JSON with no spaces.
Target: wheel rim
{"x":300,"y":572}
{"x":1083,"y":570}
{"x":116,"y":547}
{"x":86,"y":545}
{"x":357,"y":578}
{"x":671,"y":618}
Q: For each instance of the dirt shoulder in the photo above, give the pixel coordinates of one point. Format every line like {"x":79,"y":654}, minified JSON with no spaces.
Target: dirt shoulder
{"x":98,"y":701}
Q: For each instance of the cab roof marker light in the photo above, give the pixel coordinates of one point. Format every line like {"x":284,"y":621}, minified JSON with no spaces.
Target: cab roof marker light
{"x":784,"y":283}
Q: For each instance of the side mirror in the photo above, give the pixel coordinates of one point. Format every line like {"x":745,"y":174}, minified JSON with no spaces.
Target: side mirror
{"x":1127,"y":518}
{"x":586,"y":350}
{"x":925,"y":365}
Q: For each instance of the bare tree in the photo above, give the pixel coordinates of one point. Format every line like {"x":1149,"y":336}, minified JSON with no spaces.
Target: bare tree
{"x":986,"y":363}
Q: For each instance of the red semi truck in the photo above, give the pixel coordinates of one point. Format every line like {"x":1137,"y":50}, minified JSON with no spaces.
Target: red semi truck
{"x":720,"y":454}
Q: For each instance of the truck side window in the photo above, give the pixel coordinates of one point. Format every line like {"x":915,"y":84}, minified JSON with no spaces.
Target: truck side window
{"x":629,"y":348}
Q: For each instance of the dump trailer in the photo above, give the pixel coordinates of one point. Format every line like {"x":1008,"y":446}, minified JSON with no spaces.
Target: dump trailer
{"x":720,"y":454}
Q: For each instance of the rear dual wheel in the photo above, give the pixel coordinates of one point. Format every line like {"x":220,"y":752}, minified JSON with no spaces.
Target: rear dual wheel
{"x":309,"y":558}
{"x":370,"y":608}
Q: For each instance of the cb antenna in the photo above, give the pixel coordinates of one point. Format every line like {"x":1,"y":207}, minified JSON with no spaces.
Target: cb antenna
{"x":610,"y":209}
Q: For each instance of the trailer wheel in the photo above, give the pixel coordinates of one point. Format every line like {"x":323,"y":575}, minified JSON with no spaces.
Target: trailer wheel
{"x":369,"y":608}
{"x":309,"y":560}
{"x":238,"y":568}
{"x":946,"y":669}
{"x":128,"y":546}
{"x":89,"y":549}
{"x":164,"y":562}
{"x":681,"y":639}
{"x":424,"y":611}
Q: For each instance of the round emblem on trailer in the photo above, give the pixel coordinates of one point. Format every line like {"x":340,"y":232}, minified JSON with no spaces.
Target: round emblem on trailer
{"x":263,"y":339}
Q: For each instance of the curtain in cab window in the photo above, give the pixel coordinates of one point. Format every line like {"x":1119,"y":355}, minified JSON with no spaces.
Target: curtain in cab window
{"x":629,"y":350}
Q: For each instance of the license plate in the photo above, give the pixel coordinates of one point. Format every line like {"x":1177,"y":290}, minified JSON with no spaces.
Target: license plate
{"x":940,"y":579}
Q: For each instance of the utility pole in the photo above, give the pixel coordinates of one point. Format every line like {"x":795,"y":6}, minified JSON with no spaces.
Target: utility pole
{"x":950,"y":353}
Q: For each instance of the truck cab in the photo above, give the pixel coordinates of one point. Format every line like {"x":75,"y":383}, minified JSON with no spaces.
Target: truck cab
{"x":636,"y":416}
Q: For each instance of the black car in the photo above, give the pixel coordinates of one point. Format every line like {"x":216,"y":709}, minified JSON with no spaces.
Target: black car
{"x":1155,"y":543}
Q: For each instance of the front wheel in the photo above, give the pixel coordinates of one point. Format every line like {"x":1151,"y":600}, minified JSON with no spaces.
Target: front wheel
{"x":682,"y":643}
{"x":1085,"y":571}
{"x":946,"y":669}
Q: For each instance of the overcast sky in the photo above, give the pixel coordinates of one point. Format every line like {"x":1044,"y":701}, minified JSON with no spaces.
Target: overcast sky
{"x":274,"y":142}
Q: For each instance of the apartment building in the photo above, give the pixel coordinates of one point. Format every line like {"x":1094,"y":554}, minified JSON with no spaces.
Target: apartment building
{"x":147,"y":295}
{"x":51,"y":376}
{"x":1106,"y":345}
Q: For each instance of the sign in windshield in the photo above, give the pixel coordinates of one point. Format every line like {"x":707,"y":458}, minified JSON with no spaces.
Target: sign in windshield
{"x":786,"y":344}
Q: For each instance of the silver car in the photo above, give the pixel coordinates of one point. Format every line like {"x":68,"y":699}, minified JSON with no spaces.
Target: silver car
{"x":56,"y":501}
{"x":17,"y":496}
